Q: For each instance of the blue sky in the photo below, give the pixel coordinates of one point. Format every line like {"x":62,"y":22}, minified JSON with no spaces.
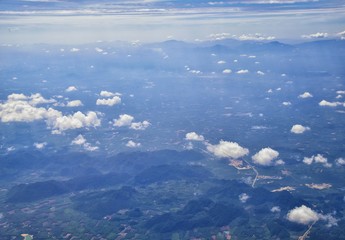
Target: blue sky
{"x":71,"y":22}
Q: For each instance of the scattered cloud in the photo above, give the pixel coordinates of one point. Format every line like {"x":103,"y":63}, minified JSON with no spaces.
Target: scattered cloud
{"x":316,"y":35}
{"x":340,"y":161}
{"x":109,"y":94}
{"x":227,"y":149}
{"x":260,"y":73}
{"x":140,"y":125}
{"x":81,"y":141}
{"x":299,"y":129}
{"x":265,"y":157}
{"x":255,"y":37}
{"x":74,"y":103}
{"x":243,"y":197}
{"x":75,"y":121}
{"x":221,"y":62}
{"x":325,"y":103}
{"x":320,"y":186}
{"x":127,"y":120}
{"x":74,"y":50}
{"x":227,"y":71}
{"x":317,"y":159}
{"x":71,"y":89}
{"x":341,"y":35}
{"x":242,"y":71}
{"x":286,"y":103}
{"x":275,"y":209}
{"x":123,"y":120}
{"x":193,"y":136}
{"x":109,"y":102}
{"x":40,"y":145}
{"x":132,"y":144}
{"x":303,"y":215}
{"x":219,"y":36}
{"x":305,"y":95}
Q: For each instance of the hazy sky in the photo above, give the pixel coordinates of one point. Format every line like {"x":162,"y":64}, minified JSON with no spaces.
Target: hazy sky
{"x":66,"y":21}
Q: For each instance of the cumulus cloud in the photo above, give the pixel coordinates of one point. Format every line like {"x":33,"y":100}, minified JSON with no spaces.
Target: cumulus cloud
{"x":275,"y":209}
{"x":316,"y":35}
{"x":71,"y":89}
{"x":109,"y":102}
{"x":260,"y":73}
{"x":81,"y":141}
{"x":75,"y":121}
{"x":75,"y":50}
{"x":227,"y":149}
{"x":227,"y":71}
{"x":132,"y":144}
{"x":109,"y":94}
{"x":74,"y":103}
{"x":40,"y":145}
{"x":341,"y":35}
{"x":127,"y":120}
{"x":243,"y":197}
{"x":265,"y":157}
{"x":305,"y":95}
{"x":22,"y":108}
{"x":299,"y":129}
{"x":325,"y":103}
{"x":242,"y":71}
{"x":193,"y":136}
{"x":221,"y":62}
{"x":340,"y":161}
{"x":140,"y":125}
{"x":302,"y":215}
{"x":123,"y":120}
{"x":286,"y":103}
{"x":319,"y":158}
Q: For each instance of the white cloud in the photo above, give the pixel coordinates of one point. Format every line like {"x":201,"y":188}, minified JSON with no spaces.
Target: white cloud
{"x":340,"y":161}
{"x":221,"y":62}
{"x":242,"y":71}
{"x":265,"y":157}
{"x":140,"y":125}
{"x":286,"y":103}
{"x":341,"y":35}
{"x":71,"y":89}
{"x":193,"y":136}
{"x":331,"y":221}
{"x":227,"y":149}
{"x":21,"y":108}
{"x":243,"y":197}
{"x":109,"y":94}
{"x":75,"y":121}
{"x":341,"y":92}
{"x":302,"y":215}
{"x":260,"y":73}
{"x":305,"y":95}
{"x":319,"y":158}
{"x":132,"y":144}
{"x":123,"y":120}
{"x":75,"y":50}
{"x":275,"y":209}
{"x":127,"y":120}
{"x":316,"y":35}
{"x":79,"y":140}
{"x":74,"y":103}
{"x":109,"y":102}
{"x":325,"y":103}
{"x":299,"y":129}
{"x":255,"y":37}
{"x":40,"y":145}
{"x":227,"y":71}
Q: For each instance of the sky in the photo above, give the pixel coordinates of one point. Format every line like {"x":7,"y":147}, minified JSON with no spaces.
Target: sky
{"x":84,"y":21}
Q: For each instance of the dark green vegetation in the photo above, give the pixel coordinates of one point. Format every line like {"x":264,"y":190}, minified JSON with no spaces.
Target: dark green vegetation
{"x":181,"y":199}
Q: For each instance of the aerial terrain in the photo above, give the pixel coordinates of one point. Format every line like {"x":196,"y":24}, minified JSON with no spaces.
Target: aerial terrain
{"x":172,"y":119}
